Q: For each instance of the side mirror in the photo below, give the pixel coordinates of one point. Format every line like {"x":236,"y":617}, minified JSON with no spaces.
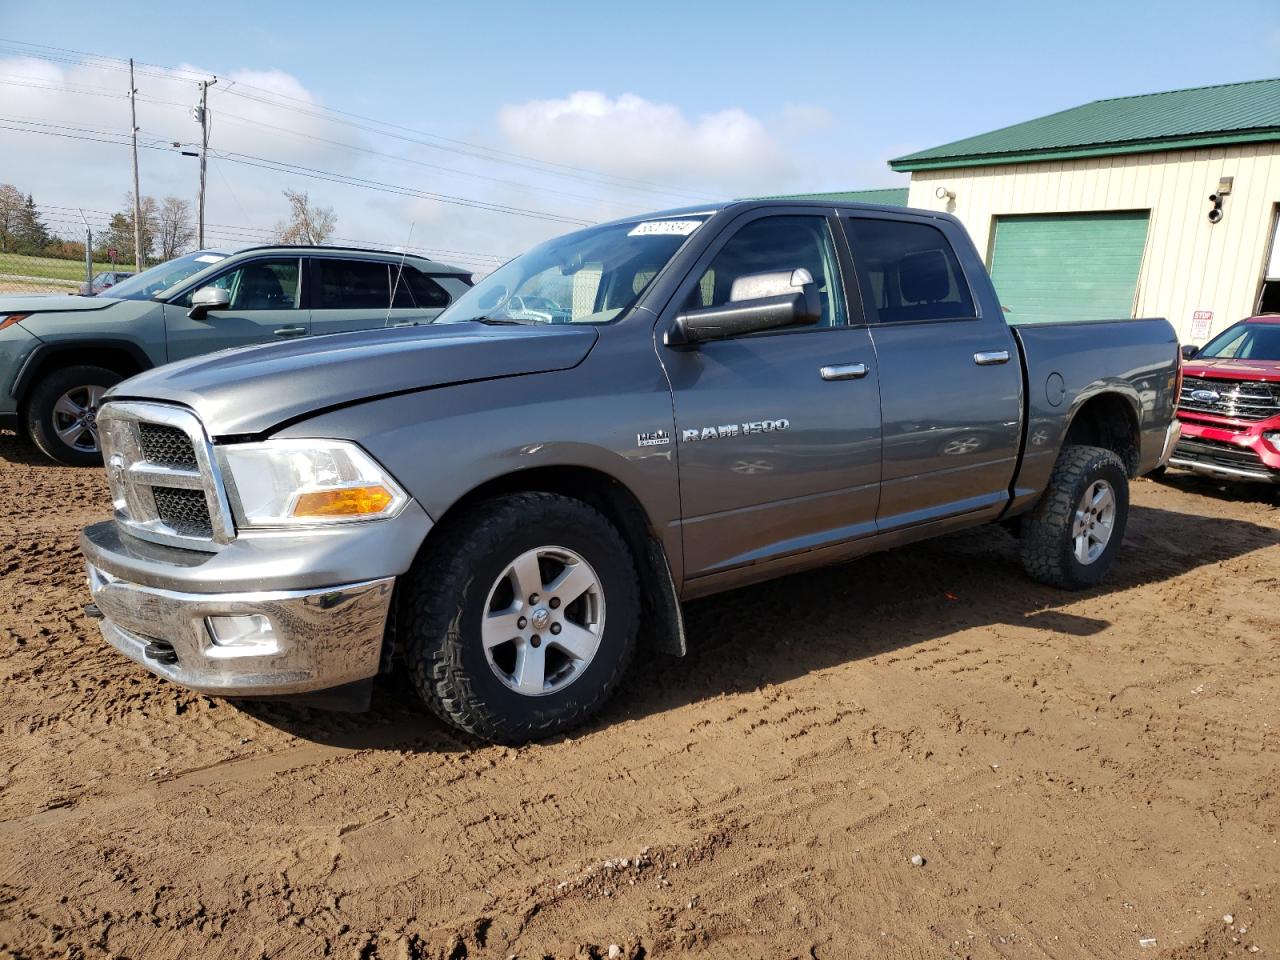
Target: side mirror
{"x":1189,"y":350}
{"x":206,"y":299}
{"x":758,"y":301}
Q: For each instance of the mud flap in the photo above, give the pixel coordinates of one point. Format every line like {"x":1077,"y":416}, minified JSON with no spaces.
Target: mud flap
{"x":664,"y":623}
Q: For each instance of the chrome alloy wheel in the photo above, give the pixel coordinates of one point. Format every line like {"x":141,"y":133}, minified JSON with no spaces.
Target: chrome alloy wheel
{"x":1094,"y":521}
{"x":543,"y":620}
{"x":75,"y":417}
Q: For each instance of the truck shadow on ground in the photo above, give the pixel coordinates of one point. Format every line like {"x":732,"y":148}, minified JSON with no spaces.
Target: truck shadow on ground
{"x":774,"y":632}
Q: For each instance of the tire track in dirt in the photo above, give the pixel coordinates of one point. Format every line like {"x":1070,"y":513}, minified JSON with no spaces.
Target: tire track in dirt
{"x":1078,"y":771}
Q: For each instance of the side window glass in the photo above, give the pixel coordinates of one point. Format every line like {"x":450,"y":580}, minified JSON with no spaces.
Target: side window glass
{"x":416,"y":289}
{"x":910,"y":271}
{"x":771,"y":244}
{"x":351,"y":284}
{"x":260,"y":285}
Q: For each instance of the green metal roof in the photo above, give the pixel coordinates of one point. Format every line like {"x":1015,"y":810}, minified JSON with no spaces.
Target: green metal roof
{"x":889,"y":196}
{"x":1176,"y":120}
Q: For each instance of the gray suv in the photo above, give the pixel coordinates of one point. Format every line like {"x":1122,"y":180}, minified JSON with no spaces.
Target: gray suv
{"x":59,"y":355}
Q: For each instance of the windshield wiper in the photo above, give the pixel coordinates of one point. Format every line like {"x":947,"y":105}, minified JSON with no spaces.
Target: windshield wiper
{"x":501,"y":321}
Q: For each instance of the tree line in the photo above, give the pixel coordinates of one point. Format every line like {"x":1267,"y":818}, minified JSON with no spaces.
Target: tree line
{"x":168,"y":228}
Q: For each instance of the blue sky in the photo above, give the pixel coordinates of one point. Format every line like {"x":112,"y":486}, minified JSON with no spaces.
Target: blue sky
{"x":708,"y":100}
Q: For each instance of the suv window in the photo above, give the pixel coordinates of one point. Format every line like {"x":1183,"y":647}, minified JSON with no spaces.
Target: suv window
{"x":258,"y":285}
{"x":350,"y":284}
{"x":416,"y":289}
{"x":776,"y":243}
{"x":909,"y":271}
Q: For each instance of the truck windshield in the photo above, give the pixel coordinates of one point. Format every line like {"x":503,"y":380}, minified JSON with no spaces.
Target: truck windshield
{"x":162,"y":276}
{"x":1244,"y":341}
{"x":591,"y":276}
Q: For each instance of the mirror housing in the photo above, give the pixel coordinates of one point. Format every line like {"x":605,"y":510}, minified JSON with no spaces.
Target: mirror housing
{"x":206,"y":299}
{"x":1189,"y":350}
{"x":758,"y":301}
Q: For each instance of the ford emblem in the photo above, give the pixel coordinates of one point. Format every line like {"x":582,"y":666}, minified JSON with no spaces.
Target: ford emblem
{"x":1205,"y":396}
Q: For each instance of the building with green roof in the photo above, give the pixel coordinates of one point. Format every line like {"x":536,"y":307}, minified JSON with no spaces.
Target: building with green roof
{"x":1163,"y":204}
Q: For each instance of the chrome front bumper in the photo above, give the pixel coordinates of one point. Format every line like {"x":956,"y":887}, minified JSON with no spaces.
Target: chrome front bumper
{"x":322,"y":638}
{"x":1171,"y":437}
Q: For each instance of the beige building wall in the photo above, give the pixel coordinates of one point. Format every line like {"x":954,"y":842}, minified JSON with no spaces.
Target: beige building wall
{"x":1189,"y":264}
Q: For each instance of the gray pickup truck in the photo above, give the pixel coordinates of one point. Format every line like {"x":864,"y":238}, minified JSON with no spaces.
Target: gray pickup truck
{"x":509,"y":502}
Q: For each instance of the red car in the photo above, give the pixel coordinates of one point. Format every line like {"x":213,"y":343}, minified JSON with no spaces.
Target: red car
{"x":1229,"y":406}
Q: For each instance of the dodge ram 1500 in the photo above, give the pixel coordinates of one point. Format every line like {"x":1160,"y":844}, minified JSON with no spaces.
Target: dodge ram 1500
{"x":510,"y":502}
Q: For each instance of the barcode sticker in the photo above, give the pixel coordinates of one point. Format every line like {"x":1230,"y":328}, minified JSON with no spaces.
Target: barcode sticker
{"x":209,"y":258}
{"x":665,"y":228}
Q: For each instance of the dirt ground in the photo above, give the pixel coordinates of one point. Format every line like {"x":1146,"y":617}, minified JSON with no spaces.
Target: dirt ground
{"x":1082,"y":773}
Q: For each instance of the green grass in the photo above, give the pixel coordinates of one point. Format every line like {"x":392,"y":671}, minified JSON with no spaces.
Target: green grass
{"x":50,"y":268}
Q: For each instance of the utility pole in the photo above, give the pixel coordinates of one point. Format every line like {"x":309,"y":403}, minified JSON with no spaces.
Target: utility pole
{"x":88,"y":254}
{"x":203,"y":116}
{"x":137,"y":196}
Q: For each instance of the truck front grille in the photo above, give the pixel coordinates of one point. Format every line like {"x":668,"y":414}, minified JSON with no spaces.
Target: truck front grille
{"x":183,"y":511}
{"x":166,"y":446}
{"x":165,"y":484}
{"x":1241,"y":399}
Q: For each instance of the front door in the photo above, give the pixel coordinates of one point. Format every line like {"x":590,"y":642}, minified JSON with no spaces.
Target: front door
{"x":265,"y":306}
{"x":950,"y":380}
{"x":778,"y":433}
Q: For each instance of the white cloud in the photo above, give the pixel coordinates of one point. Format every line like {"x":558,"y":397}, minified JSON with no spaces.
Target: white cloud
{"x":727,"y":152}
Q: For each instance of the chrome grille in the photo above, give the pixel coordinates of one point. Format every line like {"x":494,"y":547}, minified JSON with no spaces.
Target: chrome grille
{"x":183,"y":511}
{"x":167,"y":446}
{"x":1241,"y":399}
{"x":165,"y":484}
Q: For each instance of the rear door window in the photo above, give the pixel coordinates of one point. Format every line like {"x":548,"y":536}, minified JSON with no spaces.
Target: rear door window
{"x":350,"y":284}
{"x":908,"y":271}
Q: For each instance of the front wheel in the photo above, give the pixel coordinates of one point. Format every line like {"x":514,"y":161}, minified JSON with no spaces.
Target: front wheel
{"x":1071,"y":537}
{"x":519,"y":620}
{"x":62,"y":413}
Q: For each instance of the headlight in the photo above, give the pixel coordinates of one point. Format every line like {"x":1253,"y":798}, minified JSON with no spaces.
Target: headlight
{"x":287,"y":483}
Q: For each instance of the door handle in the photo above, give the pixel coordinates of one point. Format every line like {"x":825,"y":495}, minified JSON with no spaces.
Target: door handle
{"x":289,"y":331}
{"x":843,"y":371}
{"x":986,"y":358}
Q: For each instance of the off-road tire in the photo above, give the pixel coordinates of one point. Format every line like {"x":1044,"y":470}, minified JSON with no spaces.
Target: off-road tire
{"x":444,"y":595}
{"x":1047,"y":553}
{"x":40,"y":403}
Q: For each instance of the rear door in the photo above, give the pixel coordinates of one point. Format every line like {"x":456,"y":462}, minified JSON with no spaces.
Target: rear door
{"x":778,"y":433}
{"x":950,"y":380}
{"x":266,"y":305}
{"x":351,"y":294}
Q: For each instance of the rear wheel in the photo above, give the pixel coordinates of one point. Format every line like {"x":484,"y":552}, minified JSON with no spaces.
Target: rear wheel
{"x":1071,"y":537}
{"x":520,"y":619}
{"x":62,"y":413}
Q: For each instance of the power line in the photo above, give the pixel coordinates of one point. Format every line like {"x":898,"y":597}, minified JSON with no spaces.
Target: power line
{"x":313,"y":173}
{"x":319,"y":111}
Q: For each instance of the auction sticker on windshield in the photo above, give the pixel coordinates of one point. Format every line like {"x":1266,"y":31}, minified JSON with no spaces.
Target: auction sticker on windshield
{"x":665,"y":228}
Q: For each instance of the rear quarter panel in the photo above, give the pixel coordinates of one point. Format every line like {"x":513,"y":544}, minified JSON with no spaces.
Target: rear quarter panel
{"x":1137,"y":359}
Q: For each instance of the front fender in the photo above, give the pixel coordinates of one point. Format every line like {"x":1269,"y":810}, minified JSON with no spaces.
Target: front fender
{"x":443,"y":443}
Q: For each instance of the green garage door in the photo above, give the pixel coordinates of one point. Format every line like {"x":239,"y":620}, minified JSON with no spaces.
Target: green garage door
{"x":1068,"y":266}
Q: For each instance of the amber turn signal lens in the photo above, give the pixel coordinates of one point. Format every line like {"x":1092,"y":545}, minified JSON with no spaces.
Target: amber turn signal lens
{"x":345,"y":502}
{"x":7,"y":319}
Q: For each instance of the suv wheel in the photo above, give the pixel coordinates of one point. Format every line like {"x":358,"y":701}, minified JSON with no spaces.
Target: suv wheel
{"x":62,"y":413}
{"x":521,"y":619}
{"x":1071,"y":537}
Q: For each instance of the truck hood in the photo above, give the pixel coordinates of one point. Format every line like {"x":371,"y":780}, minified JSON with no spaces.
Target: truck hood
{"x":250,"y":390}
{"x":1226,"y":369}
{"x":51,"y":303}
